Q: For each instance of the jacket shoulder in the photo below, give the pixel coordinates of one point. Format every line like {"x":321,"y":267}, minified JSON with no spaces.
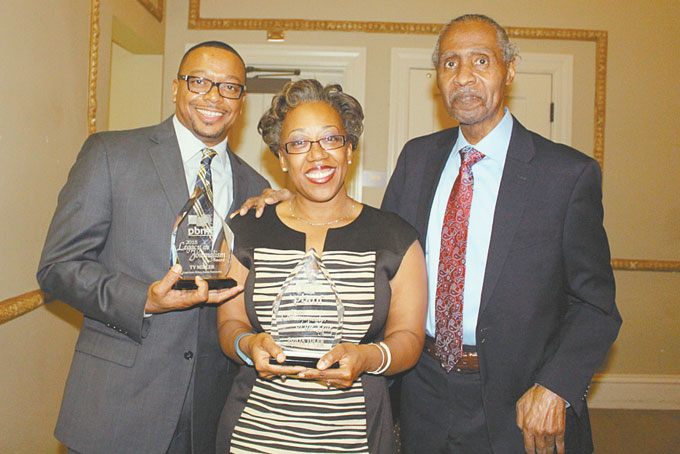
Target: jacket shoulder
{"x":128,"y":139}
{"x":555,"y":158}
{"x":558,"y":153}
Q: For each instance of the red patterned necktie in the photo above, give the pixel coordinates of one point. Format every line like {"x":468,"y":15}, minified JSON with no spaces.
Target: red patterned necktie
{"x":451,"y":271}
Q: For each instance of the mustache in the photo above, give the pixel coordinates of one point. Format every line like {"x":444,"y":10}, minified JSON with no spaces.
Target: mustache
{"x":465,"y":93}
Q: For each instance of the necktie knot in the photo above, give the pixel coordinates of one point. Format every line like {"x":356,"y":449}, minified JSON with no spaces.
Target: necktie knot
{"x":470,"y":156}
{"x":204,"y":181}
{"x":208,"y":155}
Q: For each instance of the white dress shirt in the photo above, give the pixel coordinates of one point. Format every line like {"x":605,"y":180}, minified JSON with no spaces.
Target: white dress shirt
{"x":487,"y":179}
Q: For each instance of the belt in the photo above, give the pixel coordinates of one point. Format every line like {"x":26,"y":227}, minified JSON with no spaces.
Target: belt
{"x":468,"y":362}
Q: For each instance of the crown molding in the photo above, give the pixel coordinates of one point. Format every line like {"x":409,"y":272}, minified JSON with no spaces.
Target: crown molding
{"x":280,"y":26}
{"x":155,"y":7}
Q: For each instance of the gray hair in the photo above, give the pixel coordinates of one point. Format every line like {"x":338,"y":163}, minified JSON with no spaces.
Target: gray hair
{"x":508,"y":49}
{"x":304,"y":91}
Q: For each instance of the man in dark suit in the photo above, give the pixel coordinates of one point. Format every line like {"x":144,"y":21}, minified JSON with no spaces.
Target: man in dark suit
{"x":148,"y":374}
{"x":537,"y":290}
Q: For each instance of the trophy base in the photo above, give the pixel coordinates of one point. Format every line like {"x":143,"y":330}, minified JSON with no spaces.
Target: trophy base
{"x":298,"y":359}
{"x":213,"y":284}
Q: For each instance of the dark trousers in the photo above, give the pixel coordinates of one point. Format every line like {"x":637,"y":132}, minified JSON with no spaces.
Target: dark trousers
{"x":181,"y":439}
{"x":442,"y":413}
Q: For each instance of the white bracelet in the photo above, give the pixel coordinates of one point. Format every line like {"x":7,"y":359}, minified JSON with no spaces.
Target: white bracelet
{"x":382,"y":361}
{"x":389,"y":358}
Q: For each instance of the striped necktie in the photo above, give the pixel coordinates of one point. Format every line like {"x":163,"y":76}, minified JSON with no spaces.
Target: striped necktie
{"x":204,"y":207}
{"x":204,"y":204}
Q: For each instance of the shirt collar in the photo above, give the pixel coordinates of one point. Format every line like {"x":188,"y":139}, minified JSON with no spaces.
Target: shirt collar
{"x":495,"y":144}
{"x":189,"y":145}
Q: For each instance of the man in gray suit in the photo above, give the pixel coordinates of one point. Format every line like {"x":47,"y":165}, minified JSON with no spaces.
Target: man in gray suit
{"x":148,"y":374}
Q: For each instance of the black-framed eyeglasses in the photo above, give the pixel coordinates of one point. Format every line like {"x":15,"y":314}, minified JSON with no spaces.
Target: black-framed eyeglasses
{"x":303,"y":146}
{"x":201,"y":86}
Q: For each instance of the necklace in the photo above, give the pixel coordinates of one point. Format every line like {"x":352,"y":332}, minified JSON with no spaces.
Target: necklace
{"x":334,"y":221}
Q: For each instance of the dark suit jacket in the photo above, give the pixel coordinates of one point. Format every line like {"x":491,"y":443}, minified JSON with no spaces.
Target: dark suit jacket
{"x":109,"y":239}
{"x":547,"y":312}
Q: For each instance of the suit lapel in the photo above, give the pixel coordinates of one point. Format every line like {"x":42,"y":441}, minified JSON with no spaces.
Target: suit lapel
{"x":434,"y":166}
{"x":166,"y":157}
{"x":518,"y":176}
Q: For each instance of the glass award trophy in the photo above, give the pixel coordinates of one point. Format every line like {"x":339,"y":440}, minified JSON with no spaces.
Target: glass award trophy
{"x":307,"y":315}
{"x":197,"y":247}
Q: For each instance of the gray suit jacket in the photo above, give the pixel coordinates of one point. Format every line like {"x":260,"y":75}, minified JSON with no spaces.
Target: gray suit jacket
{"x":109,"y":239}
{"x":547,"y":312}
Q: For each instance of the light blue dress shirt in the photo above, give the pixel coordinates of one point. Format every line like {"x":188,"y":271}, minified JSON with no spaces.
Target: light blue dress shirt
{"x":487,"y":179}
{"x":223,"y":184}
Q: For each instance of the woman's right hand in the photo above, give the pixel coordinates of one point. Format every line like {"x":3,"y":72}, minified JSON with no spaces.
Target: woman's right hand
{"x":353,"y":360}
{"x":261,"y":348}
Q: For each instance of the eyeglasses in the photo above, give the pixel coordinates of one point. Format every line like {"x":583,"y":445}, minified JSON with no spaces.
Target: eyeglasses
{"x":201,"y":86}
{"x":303,"y":146}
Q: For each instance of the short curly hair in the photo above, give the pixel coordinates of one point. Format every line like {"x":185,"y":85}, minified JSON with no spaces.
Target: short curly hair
{"x":299,"y":92}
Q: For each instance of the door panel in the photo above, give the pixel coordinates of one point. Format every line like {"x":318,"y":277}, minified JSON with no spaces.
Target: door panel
{"x":529,"y":100}
{"x":426,"y":107}
{"x":416,"y":107}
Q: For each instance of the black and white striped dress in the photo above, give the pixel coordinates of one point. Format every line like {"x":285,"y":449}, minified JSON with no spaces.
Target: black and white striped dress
{"x":301,"y":416}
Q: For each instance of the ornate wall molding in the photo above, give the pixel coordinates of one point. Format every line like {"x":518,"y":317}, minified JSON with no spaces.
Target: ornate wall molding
{"x":279,"y":26}
{"x":646,"y":265}
{"x":19,"y":305}
{"x":92,"y":68}
{"x":155,"y":7}
{"x":22,"y":304}
{"x":599,"y":37}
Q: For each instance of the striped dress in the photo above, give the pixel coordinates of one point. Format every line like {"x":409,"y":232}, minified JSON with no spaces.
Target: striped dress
{"x":302,"y":416}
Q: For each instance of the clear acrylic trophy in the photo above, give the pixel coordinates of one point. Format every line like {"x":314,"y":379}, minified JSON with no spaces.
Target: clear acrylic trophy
{"x":307,"y":315}
{"x":197,"y":247}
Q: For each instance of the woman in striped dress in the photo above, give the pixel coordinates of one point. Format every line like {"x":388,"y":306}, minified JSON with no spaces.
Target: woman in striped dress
{"x":376,"y":265}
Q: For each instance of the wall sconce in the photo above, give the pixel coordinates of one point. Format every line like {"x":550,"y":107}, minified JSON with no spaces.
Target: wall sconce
{"x":276,"y":35}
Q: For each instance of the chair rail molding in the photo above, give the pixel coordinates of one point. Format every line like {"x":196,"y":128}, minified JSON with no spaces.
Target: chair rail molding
{"x":19,"y":305}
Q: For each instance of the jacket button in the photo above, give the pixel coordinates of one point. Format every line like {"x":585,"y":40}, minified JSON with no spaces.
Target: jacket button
{"x":188,"y":355}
